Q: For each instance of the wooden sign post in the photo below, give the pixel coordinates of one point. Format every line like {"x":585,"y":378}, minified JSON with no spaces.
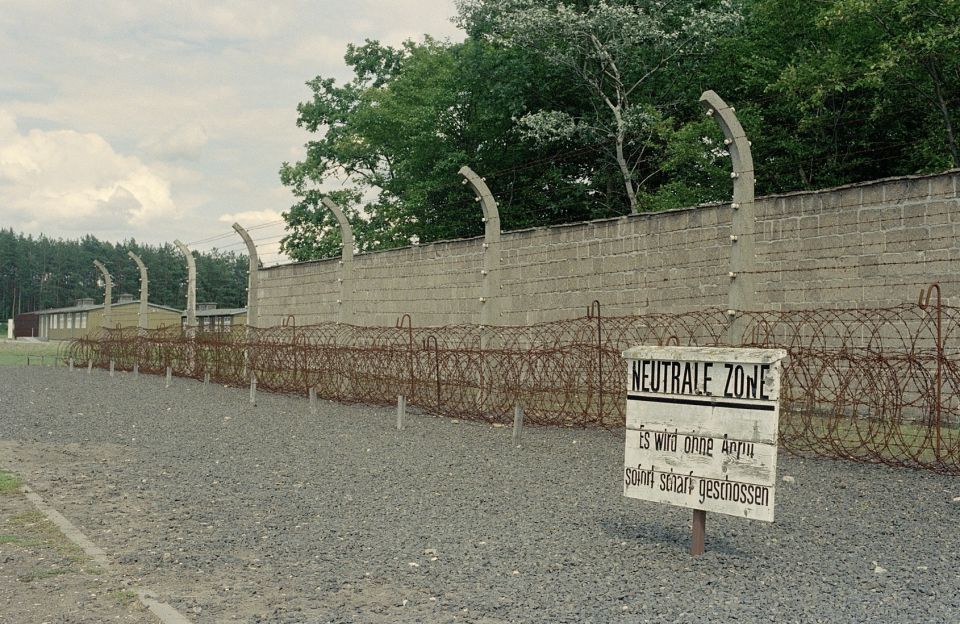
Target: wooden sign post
{"x":701,"y":430}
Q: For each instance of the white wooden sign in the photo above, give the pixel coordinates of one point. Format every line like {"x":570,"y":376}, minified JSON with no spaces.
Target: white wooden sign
{"x":702,"y":428}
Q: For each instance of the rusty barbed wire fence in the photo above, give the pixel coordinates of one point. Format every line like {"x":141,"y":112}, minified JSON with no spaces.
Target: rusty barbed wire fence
{"x":873,"y":385}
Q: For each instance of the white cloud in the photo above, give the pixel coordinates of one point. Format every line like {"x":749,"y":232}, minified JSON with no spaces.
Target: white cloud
{"x":183,"y":142}
{"x":250,"y":217}
{"x":132,"y":111}
{"x":249,"y":19}
{"x":63,"y":180}
{"x":266,"y":228}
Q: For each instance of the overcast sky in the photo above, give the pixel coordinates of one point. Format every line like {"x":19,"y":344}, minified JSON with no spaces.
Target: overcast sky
{"x":163,"y":120}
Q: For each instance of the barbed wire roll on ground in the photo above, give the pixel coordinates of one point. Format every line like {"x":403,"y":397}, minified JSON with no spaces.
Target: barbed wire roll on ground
{"x":877,"y":385}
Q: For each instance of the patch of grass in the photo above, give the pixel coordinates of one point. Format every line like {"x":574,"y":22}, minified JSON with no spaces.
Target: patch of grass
{"x":26,"y":518}
{"x":9,"y":483}
{"x":36,"y":531}
{"x":912,"y":441}
{"x":15,"y":352}
{"x":36,"y":575}
{"x":124,"y":596}
{"x":33,"y":531}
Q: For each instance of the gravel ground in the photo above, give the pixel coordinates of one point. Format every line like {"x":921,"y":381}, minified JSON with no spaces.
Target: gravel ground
{"x":231,"y":512}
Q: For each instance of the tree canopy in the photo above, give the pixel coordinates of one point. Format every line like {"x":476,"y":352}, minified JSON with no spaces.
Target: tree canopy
{"x":40,"y":273}
{"x":579,"y":109}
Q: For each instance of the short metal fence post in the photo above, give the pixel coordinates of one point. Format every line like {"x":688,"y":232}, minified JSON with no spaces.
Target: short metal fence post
{"x":517,"y":424}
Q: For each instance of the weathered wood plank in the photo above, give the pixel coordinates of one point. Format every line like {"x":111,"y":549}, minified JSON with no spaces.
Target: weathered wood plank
{"x":705,"y":420}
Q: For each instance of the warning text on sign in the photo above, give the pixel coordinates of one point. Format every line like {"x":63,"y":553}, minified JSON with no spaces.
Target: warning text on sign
{"x":702,"y":428}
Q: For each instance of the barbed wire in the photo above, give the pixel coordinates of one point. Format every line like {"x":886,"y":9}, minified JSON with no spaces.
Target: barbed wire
{"x":871,"y":385}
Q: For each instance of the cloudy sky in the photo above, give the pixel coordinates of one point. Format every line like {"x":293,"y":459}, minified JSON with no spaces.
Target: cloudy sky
{"x":162,"y":120}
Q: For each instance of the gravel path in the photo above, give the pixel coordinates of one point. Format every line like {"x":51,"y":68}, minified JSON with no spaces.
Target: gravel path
{"x":267,"y":514}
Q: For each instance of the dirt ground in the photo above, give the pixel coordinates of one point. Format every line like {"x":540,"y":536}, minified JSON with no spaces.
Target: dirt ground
{"x":45,"y":578}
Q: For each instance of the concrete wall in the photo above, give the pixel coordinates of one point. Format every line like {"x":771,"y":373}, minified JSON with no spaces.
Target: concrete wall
{"x":308,"y":290}
{"x":660,"y":262}
{"x":437,"y":284}
{"x":863,"y":245}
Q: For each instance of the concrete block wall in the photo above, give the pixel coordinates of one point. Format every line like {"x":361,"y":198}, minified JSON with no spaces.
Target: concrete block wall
{"x":663,"y":262}
{"x":436,"y":284}
{"x":860,"y":246}
{"x":864,"y":245}
{"x":307,"y":290}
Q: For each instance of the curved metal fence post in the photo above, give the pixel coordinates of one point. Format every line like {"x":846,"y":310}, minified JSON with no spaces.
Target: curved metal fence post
{"x":253,"y":279}
{"x":191,"y":285}
{"x":190,"y":329}
{"x":490,"y":300}
{"x":105,"y":320}
{"x":345,"y":303}
{"x":741,"y":291}
{"x":144,"y":310}
{"x":253,"y":284}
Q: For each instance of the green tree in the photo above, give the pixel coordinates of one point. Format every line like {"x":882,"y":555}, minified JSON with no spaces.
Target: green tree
{"x":578,"y":109}
{"x":221,"y":278}
{"x":402,"y":128}
{"x":39,"y":273}
{"x":614,"y":51}
{"x":364,"y":133}
{"x":312,"y":230}
{"x":886,"y":44}
{"x":818,"y":101}
{"x":853,"y":90}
